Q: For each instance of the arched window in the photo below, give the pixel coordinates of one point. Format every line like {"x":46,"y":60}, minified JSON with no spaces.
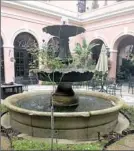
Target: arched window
{"x":96,"y":50}
{"x":81,"y":6}
{"x":125,"y":47}
{"x":2,"y":62}
{"x":54,"y":45}
{"x":23,"y":58}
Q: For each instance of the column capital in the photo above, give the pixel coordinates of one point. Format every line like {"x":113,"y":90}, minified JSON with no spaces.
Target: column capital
{"x":7,"y":46}
{"x":113,"y":51}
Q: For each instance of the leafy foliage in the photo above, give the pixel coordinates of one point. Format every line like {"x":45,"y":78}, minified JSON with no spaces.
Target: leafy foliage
{"x":38,"y":145}
{"x":126,"y":69}
{"x":82,"y":57}
{"x":46,"y":56}
{"x":3,"y":108}
{"x":131,"y":56}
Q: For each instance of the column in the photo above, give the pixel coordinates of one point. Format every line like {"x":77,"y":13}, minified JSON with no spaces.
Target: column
{"x":113,"y":60}
{"x":40,"y":65}
{"x":9,"y":64}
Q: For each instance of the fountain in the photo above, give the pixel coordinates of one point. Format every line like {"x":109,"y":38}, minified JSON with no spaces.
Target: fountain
{"x":77,"y":115}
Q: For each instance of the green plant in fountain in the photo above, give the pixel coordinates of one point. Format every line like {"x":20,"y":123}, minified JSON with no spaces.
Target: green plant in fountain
{"x":46,"y":57}
{"x":83,"y":56}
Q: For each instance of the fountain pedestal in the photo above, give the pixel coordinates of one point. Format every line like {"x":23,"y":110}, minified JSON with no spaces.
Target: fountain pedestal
{"x":64,"y":96}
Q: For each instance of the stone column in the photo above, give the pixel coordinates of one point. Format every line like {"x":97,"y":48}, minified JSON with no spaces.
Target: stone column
{"x":113,"y":60}
{"x":9,"y":64}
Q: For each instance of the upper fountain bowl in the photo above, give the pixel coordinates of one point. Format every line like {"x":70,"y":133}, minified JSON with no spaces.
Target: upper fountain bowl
{"x":72,"y":75}
{"x":64,"y":30}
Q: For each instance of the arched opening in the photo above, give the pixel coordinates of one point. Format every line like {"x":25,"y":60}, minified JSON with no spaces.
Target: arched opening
{"x":2,"y":63}
{"x":125,"y":47}
{"x":23,"y":59}
{"x":96,"y":50}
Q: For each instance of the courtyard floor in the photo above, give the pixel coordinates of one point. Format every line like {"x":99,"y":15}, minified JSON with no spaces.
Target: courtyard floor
{"x":125,"y":143}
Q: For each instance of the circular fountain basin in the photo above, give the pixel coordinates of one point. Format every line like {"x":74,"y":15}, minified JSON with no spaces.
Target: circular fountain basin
{"x":97,"y":114}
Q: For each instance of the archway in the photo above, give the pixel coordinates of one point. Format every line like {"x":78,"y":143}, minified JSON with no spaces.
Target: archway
{"x":23,"y":58}
{"x":124,"y":46}
{"x":96,"y":50}
{"x":2,"y":63}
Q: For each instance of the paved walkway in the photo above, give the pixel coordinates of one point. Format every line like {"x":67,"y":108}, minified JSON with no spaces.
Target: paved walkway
{"x":5,"y":143}
{"x":126,"y":143}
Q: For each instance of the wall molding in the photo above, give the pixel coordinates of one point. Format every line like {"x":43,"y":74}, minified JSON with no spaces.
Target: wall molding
{"x":27,"y":19}
{"x":18,"y":31}
{"x":101,"y":37}
{"x":118,"y":36}
{"x":40,"y":10}
{"x":108,"y":15}
{"x":18,"y":17}
{"x":3,"y":36}
{"x":117,"y":9}
{"x":126,"y":21}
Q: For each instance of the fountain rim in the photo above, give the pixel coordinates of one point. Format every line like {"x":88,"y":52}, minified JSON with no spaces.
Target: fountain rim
{"x":8,"y":102}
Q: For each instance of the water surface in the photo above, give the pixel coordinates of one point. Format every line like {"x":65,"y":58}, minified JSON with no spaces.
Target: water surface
{"x":42,"y":103}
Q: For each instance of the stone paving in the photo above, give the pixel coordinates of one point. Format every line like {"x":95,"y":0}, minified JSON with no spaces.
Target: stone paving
{"x":5,"y":143}
{"x":126,"y":143}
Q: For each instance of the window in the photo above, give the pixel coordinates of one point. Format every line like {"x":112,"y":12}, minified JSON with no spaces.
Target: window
{"x":2,"y":63}
{"x":95,"y":4}
{"x":24,"y":59}
{"x":81,"y":6}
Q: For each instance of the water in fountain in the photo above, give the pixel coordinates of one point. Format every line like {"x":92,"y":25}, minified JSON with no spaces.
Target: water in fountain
{"x":86,"y":103}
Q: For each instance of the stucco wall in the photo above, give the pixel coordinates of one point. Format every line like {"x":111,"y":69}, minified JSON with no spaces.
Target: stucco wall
{"x":110,"y":32}
{"x":15,"y":21}
{"x":110,"y":29}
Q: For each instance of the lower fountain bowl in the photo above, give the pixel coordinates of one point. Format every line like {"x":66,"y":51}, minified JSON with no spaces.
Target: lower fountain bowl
{"x":67,"y":125}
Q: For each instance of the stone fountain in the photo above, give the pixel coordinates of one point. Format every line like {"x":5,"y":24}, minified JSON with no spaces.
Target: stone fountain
{"x":64,"y":94}
{"x":77,"y":115}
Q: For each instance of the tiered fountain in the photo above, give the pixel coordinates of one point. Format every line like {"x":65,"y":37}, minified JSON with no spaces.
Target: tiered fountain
{"x":77,"y":116}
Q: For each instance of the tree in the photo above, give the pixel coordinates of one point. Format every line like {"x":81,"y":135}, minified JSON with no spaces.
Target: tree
{"x":48,"y":60}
